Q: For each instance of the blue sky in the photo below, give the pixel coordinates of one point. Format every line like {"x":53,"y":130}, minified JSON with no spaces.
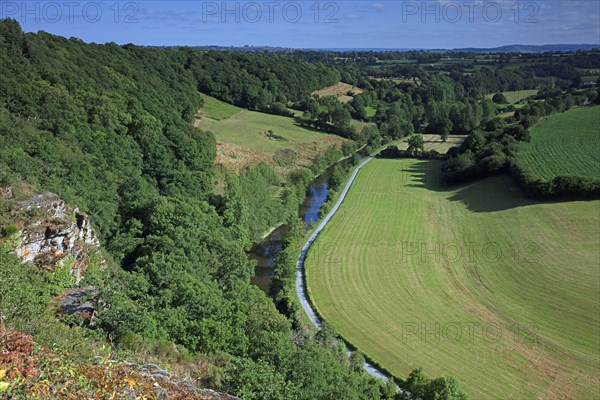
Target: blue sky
{"x":347,"y":23}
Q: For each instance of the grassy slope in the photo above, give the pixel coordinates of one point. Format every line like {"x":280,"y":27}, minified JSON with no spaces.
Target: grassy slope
{"x":565,"y":144}
{"x":217,"y":109}
{"x":242,"y":140}
{"x":246,"y":128}
{"x":365,"y":281}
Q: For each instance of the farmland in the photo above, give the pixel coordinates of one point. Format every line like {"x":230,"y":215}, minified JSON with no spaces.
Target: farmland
{"x":564,"y":144}
{"x":339,"y":90}
{"x":217,"y":110}
{"x":476,"y":281}
{"x":516,"y":96}
{"x":243,"y":137}
{"x":434,"y":142}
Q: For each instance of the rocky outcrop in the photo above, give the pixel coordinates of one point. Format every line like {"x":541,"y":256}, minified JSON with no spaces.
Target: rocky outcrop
{"x":165,"y":383}
{"x":24,"y":363}
{"x":52,"y":234}
{"x":79,"y":301}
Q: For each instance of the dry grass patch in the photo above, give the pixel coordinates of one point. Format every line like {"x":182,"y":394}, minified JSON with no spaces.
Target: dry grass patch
{"x":339,"y":90}
{"x":434,"y":142}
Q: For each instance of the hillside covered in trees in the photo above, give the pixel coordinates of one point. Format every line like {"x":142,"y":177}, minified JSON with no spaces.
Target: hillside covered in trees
{"x":108,"y":129}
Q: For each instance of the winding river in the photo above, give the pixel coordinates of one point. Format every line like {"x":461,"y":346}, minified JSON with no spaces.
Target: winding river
{"x":264,"y":253}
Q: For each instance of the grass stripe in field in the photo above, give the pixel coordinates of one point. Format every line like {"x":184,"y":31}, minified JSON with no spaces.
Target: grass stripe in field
{"x":564,"y":144}
{"x":533,"y":275}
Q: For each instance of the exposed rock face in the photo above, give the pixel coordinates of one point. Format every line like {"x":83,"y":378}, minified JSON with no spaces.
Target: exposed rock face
{"x":52,"y":233}
{"x":80,"y":301}
{"x":165,"y":383}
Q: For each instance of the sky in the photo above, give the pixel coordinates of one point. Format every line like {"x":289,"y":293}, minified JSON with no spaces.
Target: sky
{"x":422,"y":24}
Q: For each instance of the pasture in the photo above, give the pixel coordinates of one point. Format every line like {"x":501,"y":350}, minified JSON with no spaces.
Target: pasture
{"x":339,"y":90}
{"x":476,"y":281}
{"x":434,"y":142}
{"x":517,"y":95}
{"x":217,"y":110}
{"x":243,"y":137}
{"x":564,"y":144}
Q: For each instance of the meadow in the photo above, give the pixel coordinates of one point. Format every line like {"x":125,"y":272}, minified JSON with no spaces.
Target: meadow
{"x":434,"y":142}
{"x":475,"y":281}
{"x":249,"y":137}
{"x":517,"y":95}
{"x":564,"y":144}
{"x":217,"y":110}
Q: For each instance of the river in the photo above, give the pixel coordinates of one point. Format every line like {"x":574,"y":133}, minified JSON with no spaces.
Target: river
{"x":265,"y":252}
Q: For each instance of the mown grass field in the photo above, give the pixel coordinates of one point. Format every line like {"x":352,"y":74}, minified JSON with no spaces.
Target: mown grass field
{"x":476,"y":281}
{"x":565,"y":144}
{"x":516,"y":96}
{"x":434,"y":142}
{"x":243,"y":137}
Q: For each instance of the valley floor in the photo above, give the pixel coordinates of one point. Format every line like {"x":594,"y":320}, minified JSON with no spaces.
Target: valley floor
{"x":474,"y":281}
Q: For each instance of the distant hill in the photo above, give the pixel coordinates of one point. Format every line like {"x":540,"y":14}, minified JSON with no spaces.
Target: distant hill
{"x":520,"y":48}
{"x":513,"y":48}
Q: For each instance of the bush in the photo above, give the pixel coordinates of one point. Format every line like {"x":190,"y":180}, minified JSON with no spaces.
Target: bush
{"x":499,"y":98}
{"x":9,"y":230}
{"x":279,"y":109}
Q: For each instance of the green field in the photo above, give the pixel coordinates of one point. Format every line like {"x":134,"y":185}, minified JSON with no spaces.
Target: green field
{"x":249,"y":137}
{"x":476,"y":281}
{"x":434,"y":142}
{"x":516,"y":96}
{"x":247,"y":129}
{"x":217,"y":109}
{"x":565,"y":144}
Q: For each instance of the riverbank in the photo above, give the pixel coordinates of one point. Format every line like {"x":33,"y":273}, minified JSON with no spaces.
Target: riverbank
{"x":301,"y":288}
{"x":265,"y":251}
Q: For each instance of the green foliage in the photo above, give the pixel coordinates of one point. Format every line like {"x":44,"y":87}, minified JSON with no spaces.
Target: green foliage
{"x":337,"y":177}
{"x":499,"y":98}
{"x":489,"y":152}
{"x":331,"y":155}
{"x":61,"y":278}
{"x":23,"y":295}
{"x":327,"y":114}
{"x":416,"y":144}
{"x":108,"y":128}
{"x":242,"y":78}
{"x":260,"y":186}
{"x":9,"y":230}
{"x":251,"y":380}
{"x":444,"y":388}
